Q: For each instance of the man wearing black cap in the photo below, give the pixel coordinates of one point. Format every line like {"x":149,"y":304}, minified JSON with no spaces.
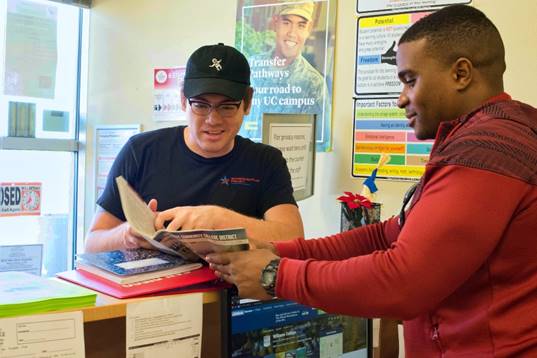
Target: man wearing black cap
{"x":202,"y":175}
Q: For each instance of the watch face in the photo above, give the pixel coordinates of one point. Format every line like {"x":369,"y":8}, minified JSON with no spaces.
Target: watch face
{"x":268,"y":276}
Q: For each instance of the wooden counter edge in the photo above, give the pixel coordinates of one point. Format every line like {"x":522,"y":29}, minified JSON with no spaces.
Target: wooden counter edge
{"x":108,"y":307}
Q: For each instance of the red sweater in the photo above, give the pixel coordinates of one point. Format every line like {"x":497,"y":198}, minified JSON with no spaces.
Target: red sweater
{"x":462,"y":272}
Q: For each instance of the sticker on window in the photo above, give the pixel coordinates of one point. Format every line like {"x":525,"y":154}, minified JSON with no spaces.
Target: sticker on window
{"x":18,"y":199}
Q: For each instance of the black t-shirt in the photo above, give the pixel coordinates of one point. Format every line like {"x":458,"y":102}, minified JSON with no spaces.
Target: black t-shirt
{"x":250,"y":179}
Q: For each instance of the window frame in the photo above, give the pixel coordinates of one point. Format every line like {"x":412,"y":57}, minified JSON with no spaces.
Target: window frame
{"x":75,"y":146}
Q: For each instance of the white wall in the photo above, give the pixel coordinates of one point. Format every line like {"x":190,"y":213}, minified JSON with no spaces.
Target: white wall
{"x":128,"y":38}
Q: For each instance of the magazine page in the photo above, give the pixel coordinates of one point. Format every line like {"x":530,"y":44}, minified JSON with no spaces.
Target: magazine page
{"x":138,"y":214}
{"x":188,"y":244}
{"x":170,"y":242}
{"x":203,"y":242}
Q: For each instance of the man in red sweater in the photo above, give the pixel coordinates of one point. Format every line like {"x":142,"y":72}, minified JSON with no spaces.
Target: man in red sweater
{"x":461,"y":269}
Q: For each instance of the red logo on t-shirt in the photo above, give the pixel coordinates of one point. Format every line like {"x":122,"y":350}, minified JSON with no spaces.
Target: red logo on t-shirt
{"x":238,"y":181}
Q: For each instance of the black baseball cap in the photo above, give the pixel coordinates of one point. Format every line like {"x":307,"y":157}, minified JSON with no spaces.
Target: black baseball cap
{"x":218,"y":69}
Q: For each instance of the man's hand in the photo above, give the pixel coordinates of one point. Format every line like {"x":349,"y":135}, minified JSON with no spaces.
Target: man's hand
{"x":130,"y":238}
{"x":243,"y":268}
{"x":191,"y":217}
{"x":278,"y":223}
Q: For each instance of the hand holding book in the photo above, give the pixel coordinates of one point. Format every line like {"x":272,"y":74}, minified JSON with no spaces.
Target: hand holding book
{"x":189,"y":244}
{"x":130,"y":239}
{"x":190,"y":217}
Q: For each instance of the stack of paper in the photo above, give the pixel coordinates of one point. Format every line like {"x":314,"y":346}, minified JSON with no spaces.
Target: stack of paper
{"x":24,"y":294}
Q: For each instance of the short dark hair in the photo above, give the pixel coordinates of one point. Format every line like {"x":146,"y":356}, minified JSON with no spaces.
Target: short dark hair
{"x":460,"y":31}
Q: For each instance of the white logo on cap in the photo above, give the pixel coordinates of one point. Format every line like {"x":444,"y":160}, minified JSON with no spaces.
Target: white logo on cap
{"x":216,"y":64}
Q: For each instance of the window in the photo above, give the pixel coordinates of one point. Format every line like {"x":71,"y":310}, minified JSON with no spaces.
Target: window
{"x":42,"y":61}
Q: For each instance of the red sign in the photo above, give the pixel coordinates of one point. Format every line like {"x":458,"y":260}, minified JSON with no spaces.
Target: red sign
{"x":168,"y":78}
{"x":18,"y":199}
{"x":167,"y":85}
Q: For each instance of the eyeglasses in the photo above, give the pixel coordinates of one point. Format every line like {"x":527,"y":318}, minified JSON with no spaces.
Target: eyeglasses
{"x":226,"y":109}
{"x":408,"y":195}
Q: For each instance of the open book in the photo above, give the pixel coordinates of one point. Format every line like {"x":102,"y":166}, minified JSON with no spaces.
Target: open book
{"x":188,"y":244}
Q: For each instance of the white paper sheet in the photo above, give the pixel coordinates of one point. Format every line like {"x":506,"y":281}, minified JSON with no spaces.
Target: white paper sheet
{"x":25,"y":258}
{"x":43,"y":336}
{"x":293,"y":140}
{"x":165,"y":328}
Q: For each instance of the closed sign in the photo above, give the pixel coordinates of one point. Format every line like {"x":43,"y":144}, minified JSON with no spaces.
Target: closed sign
{"x":20,"y":199}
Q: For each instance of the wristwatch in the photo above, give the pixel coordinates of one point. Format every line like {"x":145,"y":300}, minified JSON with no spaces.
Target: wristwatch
{"x":268,"y":277}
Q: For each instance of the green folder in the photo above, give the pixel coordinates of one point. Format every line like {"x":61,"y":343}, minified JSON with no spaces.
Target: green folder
{"x":23,"y":294}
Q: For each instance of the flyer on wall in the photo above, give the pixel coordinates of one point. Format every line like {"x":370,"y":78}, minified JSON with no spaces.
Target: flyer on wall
{"x":31,"y":49}
{"x":376,"y":69}
{"x":290,"y":48}
{"x":167,"y":84}
{"x":109,"y":139}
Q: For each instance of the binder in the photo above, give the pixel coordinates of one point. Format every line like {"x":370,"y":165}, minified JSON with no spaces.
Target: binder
{"x":200,"y":280}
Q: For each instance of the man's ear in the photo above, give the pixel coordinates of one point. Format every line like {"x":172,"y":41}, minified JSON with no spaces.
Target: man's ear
{"x":248,"y":100}
{"x":310,"y":26}
{"x":463,"y":73}
{"x":183,"y":101}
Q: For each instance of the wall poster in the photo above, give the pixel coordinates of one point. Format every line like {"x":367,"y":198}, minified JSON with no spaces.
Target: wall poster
{"x":31,"y":49}
{"x":290,"y":48}
{"x":381,"y":127}
{"x":109,"y":139}
{"x":376,"y":70}
{"x":167,"y":85}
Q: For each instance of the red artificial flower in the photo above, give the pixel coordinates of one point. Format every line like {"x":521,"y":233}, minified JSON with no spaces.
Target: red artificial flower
{"x":354,"y":201}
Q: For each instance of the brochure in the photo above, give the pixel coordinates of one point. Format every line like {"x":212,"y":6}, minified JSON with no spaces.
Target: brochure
{"x":188,"y":244}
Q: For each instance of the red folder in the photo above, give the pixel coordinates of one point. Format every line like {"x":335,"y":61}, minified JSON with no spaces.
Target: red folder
{"x":199,"y":280}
